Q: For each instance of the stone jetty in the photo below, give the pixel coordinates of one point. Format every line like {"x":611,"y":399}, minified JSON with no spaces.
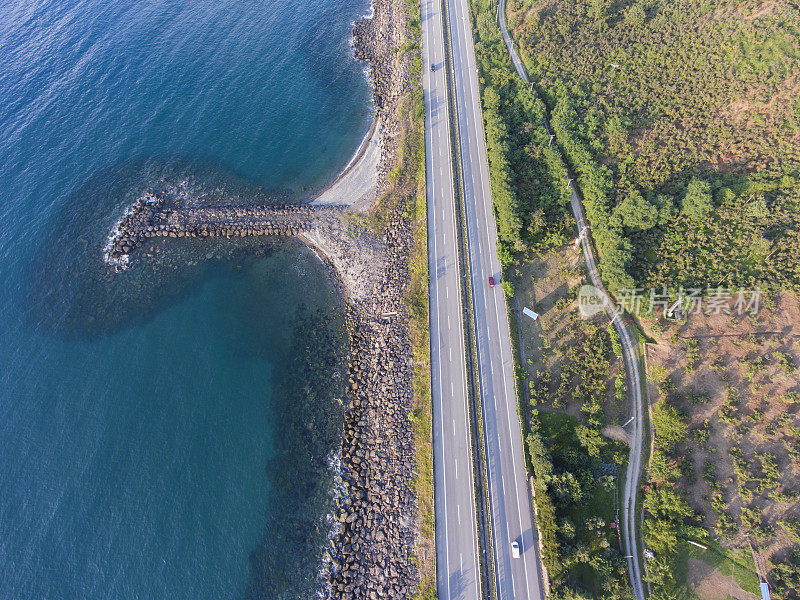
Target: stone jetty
{"x":149,"y":218}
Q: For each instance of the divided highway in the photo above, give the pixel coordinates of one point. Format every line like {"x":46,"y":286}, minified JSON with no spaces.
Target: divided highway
{"x":630,"y":356}
{"x":458,"y":573}
{"x":512,"y":519}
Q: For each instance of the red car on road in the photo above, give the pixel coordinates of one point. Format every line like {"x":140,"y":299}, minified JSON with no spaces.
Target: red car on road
{"x":491,"y":281}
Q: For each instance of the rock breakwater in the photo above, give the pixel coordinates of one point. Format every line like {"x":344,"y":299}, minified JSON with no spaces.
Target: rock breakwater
{"x":150,"y":218}
{"x":372,"y":554}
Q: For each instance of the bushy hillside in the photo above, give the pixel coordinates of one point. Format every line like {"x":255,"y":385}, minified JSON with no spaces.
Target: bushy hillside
{"x":686,"y":117}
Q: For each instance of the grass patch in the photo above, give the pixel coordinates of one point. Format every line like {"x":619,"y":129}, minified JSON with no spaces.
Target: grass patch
{"x":408,"y":192}
{"x":739,"y":563}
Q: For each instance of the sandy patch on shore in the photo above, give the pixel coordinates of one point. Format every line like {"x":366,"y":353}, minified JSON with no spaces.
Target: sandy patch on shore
{"x":354,"y":252}
{"x":357,"y":186}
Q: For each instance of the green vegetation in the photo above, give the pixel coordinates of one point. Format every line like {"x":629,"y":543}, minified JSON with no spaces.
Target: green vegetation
{"x":680,"y":122}
{"x":737,"y":564}
{"x":416,"y":300}
{"x":735,"y":463}
{"x":660,"y":106}
{"x":527,"y":177}
{"x":575,"y":467}
{"x":787,"y":573}
{"x":573,"y":490}
{"x":407,"y":194}
{"x":669,"y":520}
{"x":575,"y":497}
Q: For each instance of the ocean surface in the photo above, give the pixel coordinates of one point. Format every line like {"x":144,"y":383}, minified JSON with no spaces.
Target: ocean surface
{"x":168,"y":431}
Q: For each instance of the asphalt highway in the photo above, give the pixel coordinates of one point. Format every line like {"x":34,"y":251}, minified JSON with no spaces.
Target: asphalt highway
{"x":458,"y":574}
{"x":511,"y":510}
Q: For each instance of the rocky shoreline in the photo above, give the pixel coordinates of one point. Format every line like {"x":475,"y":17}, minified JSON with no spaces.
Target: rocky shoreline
{"x":371,"y":552}
{"x":378,"y":41}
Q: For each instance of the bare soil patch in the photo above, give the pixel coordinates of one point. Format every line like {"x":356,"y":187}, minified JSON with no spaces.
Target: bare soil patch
{"x":736,"y":379}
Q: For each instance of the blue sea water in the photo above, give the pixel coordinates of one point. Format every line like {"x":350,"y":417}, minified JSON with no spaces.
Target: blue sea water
{"x":166,"y":432}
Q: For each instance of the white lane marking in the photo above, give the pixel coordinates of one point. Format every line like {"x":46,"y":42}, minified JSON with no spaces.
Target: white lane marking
{"x":454,"y":24}
{"x":454,"y":427}
{"x":433,"y":23}
{"x":455,"y":462}
{"x":458,"y":508}
{"x":436,"y":295}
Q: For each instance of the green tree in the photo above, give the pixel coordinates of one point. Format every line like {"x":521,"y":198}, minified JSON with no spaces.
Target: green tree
{"x":662,"y":468}
{"x":567,"y":529}
{"x":598,"y":10}
{"x":504,"y":197}
{"x":613,"y":264}
{"x":670,"y":426}
{"x":635,"y":17}
{"x":636,"y":213}
{"x":697,"y":202}
{"x":566,"y":488}
{"x":666,"y":208}
{"x":569,"y":593}
{"x":757,"y":208}
{"x":540,"y":458}
{"x":590,"y":438}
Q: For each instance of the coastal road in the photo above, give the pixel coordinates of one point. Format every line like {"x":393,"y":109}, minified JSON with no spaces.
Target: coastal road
{"x":458,"y":575}
{"x":512,"y":518}
{"x":630,"y":354}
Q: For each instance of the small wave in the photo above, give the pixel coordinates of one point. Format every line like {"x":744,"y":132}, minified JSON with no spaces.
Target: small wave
{"x":338,"y":494}
{"x":370,"y":14}
{"x":122,"y":261}
{"x":366,"y":66}
{"x":370,"y":11}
